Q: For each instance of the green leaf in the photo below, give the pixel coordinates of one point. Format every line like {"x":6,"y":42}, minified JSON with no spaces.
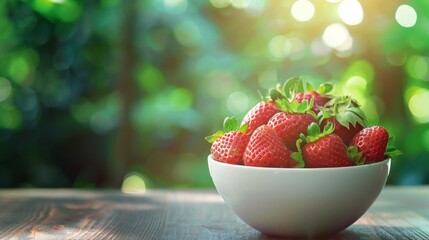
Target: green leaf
{"x":309,"y":87}
{"x":283,"y":104}
{"x":302,"y":107}
{"x":355,"y":156}
{"x":325,"y":88}
{"x":313,"y":130}
{"x":230,"y":124}
{"x":299,"y":141}
{"x":328,"y":129}
{"x":342,"y":120}
{"x":289,"y":87}
{"x":299,"y":159}
{"x":394,"y":153}
{"x":391,"y":150}
{"x":275,"y":94}
{"x":244,"y":128}
{"x":215,"y":136}
{"x":302,"y":87}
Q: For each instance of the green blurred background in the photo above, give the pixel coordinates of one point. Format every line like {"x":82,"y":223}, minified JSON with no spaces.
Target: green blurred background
{"x":95,"y":92}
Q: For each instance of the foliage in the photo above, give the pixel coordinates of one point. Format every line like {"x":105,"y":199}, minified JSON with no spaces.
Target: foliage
{"x":92,"y":90}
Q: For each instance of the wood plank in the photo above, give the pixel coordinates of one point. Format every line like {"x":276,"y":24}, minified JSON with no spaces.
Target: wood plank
{"x":399,"y":213}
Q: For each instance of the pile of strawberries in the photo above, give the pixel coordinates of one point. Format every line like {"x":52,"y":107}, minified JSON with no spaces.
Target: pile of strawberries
{"x":300,"y":126}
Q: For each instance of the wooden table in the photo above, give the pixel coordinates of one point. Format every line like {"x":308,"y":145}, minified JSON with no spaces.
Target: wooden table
{"x":399,"y":213}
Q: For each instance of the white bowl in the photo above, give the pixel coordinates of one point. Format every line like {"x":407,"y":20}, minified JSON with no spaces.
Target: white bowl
{"x":300,"y":202}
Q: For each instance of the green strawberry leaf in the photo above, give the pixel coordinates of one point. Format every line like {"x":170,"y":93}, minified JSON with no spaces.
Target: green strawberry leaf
{"x":325,"y":88}
{"x":355,"y":155}
{"x":290,"y":86}
{"x":244,"y":128}
{"x":394,"y":153}
{"x":299,"y":159}
{"x":230,"y":124}
{"x":391,"y":150}
{"x":313,"y":131}
{"x":323,"y":114}
{"x":302,"y":107}
{"x":342,"y":120}
{"x":328,"y":129}
{"x":212,"y":138}
{"x":283,"y":104}
{"x":299,"y":142}
{"x":275,"y":94}
{"x":309,"y":87}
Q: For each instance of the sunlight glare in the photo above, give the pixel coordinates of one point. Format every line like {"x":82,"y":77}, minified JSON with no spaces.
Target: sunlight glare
{"x":351,"y":12}
{"x":335,"y":35}
{"x":406,"y":16}
{"x":302,"y":10}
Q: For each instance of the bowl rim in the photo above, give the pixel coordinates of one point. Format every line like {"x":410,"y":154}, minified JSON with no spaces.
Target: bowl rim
{"x":213,"y":161}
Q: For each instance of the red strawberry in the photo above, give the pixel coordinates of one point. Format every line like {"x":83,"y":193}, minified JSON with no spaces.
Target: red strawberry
{"x":372,"y":143}
{"x":298,"y":89}
{"x":346,"y":134}
{"x":229,"y":147}
{"x":293,"y":121}
{"x":266,"y":149}
{"x":346,"y":116}
{"x":319,"y":100}
{"x":259,"y":115}
{"x":321,"y":150}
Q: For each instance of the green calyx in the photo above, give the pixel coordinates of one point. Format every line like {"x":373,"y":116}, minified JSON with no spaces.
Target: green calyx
{"x":295,"y":85}
{"x":345,"y":110}
{"x":391,"y":150}
{"x":313,"y":134}
{"x":296,"y":107}
{"x":355,"y":156}
{"x":229,"y":124}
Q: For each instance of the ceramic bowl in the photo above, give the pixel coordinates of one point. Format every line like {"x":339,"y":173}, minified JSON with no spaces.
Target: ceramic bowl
{"x":299,"y":202}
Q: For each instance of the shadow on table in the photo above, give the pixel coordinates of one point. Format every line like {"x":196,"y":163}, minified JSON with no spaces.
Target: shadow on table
{"x":363,"y":232}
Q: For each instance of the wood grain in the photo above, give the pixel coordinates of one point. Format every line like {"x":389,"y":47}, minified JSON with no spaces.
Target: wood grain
{"x":399,"y":213}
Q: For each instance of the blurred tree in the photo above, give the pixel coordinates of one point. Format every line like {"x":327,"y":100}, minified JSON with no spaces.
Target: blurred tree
{"x":91,"y":90}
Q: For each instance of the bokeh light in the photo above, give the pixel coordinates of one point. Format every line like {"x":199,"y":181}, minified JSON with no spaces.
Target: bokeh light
{"x":406,"y":16}
{"x":351,"y":12}
{"x":238,"y":103}
{"x":280,"y":46}
{"x":175,"y":6}
{"x":335,"y":35}
{"x":417,"y":67}
{"x":134,"y":183}
{"x":418,"y":105}
{"x":220,"y":3}
{"x":5,"y":89}
{"x":302,"y":10}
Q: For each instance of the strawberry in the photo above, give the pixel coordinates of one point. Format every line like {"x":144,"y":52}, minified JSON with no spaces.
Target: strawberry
{"x":346,"y":116}
{"x":321,"y":150}
{"x":266,"y":149}
{"x":292,"y":121}
{"x":319,"y":100}
{"x":259,"y":115}
{"x":229,"y":147}
{"x":372,"y":143}
{"x":299,"y":90}
{"x":345,"y":133}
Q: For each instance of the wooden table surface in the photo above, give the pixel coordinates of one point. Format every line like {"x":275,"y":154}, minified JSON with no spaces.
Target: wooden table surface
{"x":399,"y":213}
